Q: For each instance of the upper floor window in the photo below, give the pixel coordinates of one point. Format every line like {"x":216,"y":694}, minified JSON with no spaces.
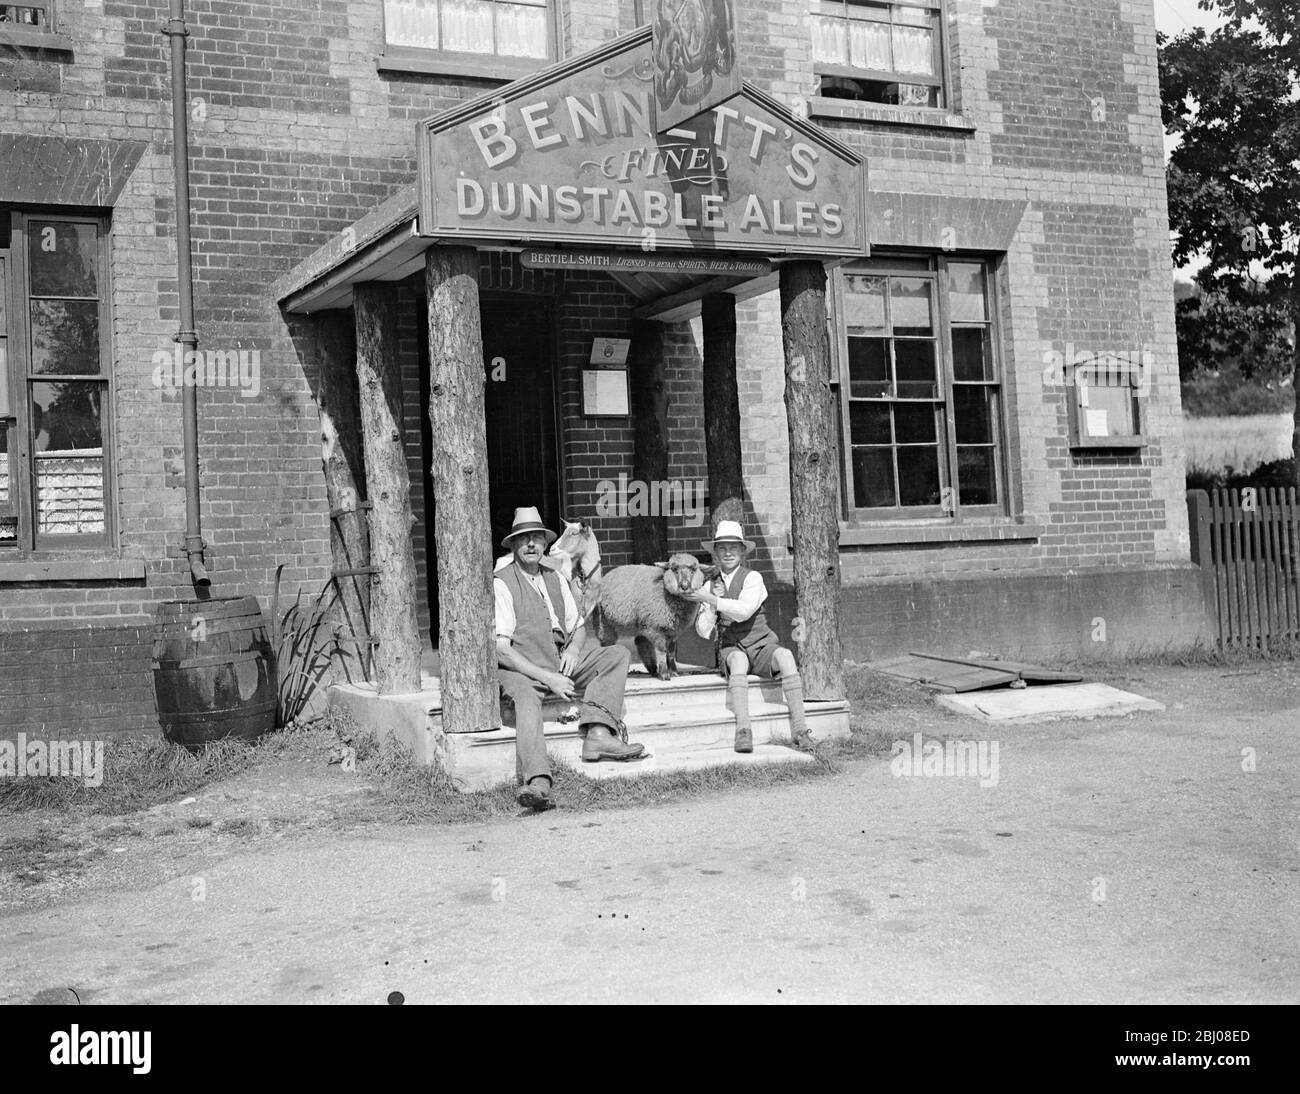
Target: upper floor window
{"x":55,"y":418}
{"x":919,"y":386}
{"x":889,"y":53}
{"x":471,"y":37}
{"x":36,"y":16}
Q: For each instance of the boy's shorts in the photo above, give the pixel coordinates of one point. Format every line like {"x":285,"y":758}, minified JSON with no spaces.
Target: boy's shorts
{"x":762,"y":658}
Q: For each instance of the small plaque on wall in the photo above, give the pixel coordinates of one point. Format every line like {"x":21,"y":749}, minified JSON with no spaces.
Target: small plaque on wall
{"x":604,"y":393}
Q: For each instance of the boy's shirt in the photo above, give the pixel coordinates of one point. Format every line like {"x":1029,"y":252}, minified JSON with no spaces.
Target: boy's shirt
{"x":735,"y":606}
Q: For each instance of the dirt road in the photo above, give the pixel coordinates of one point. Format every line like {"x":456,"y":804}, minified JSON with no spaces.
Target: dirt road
{"x":1147,"y":859}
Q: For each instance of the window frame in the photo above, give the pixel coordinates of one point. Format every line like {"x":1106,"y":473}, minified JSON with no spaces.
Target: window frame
{"x":941,"y":79}
{"x":1080,"y":438}
{"x":934,"y":267}
{"x":30,"y":543}
{"x":492,"y":66}
{"x":46,"y":39}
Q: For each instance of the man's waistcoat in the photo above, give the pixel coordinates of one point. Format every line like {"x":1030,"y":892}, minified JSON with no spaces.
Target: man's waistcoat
{"x":533,"y":637}
{"x":754,"y":630}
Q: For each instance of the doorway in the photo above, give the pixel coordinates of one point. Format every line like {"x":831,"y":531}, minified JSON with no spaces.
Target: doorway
{"x":520,"y":396}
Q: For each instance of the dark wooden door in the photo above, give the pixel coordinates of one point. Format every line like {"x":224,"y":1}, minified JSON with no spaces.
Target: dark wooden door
{"x":523,"y":460}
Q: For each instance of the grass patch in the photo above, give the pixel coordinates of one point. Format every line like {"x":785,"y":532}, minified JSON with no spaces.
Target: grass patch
{"x":141,"y":772}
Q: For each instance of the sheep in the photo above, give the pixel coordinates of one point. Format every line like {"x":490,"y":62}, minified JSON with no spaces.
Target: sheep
{"x":648,"y":602}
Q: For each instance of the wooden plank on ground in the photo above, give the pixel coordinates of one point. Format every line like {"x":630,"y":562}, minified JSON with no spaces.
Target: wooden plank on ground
{"x":1030,"y":674}
{"x":942,"y":675}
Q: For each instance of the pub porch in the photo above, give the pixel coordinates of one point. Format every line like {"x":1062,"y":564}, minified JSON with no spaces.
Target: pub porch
{"x":544,"y":213}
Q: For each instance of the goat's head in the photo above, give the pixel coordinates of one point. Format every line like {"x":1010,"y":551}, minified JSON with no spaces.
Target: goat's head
{"x":578,"y":542}
{"x":682,"y":574}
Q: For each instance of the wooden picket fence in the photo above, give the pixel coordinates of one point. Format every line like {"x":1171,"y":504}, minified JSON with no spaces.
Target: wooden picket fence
{"x":1247,"y":543}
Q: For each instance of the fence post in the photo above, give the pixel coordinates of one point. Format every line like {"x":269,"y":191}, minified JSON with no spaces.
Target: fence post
{"x":1198,"y":527}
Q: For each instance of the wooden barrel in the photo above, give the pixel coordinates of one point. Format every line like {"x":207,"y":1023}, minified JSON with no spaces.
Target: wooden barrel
{"x":213,"y":670}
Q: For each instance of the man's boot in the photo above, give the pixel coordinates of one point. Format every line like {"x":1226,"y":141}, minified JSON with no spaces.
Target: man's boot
{"x":602,"y":743}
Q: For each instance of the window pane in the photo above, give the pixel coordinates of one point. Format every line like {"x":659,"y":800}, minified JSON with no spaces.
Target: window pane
{"x":873,"y":478}
{"x":4,"y":294}
{"x":970,"y":354}
{"x":467,"y":25}
{"x":864,"y":302}
{"x":6,"y":498}
{"x":974,"y":417}
{"x":63,"y":258}
{"x":966,"y":292}
{"x":521,"y":31}
{"x":4,"y":380}
{"x":918,"y":475}
{"x":869,"y":45}
{"x":869,"y":423}
{"x":914,"y":363}
{"x":977,"y":476}
{"x":830,"y":40}
{"x":1108,"y":412}
{"x":65,"y":337}
{"x":868,"y":368}
{"x":69,"y":456}
{"x":411,"y":23}
{"x":914,"y":50}
{"x":914,"y":424}
{"x":911,"y":305}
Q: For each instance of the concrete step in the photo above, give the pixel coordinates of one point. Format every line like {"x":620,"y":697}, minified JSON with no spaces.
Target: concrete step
{"x":684,"y":723}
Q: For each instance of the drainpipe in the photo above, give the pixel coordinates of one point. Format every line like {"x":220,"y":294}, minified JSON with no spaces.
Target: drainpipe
{"x":187,"y":336}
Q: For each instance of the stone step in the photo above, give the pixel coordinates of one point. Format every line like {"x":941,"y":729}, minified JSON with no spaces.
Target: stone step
{"x":685,"y":723}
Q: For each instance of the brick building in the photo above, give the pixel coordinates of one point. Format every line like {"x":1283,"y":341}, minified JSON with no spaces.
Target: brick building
{"x":1005,"y":381}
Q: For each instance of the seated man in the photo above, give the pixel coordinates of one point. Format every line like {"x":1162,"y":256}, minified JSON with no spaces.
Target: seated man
{"x":539,"y":650}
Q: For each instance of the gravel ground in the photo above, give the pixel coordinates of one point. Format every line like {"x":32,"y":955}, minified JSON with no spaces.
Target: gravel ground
{"x":1117,"y":860}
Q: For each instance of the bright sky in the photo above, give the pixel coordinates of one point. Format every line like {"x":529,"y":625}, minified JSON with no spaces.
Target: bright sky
{"x":1175,"y":16}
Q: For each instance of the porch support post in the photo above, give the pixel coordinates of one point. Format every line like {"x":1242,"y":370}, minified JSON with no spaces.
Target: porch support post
{"x":388,"y":483}
{"x":813,"y":507}
{"x":462,"y":521}
{"x":331,"y":338}
{"x":650,"y":434}
{"x":722,"y":407}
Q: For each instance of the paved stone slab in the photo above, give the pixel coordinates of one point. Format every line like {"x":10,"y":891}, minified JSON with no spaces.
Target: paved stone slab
{"x":1049,"y":703}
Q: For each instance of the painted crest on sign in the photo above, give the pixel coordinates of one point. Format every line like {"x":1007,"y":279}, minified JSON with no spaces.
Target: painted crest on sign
{"x":694,"y":49}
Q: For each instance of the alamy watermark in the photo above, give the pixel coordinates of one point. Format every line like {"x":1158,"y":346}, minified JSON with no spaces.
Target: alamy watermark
{"x":950,"y":759}
{"x":682,"y":498}
{"x":1099,"y":368}
{"x":73,"y":759}
{"x":233,"y":368}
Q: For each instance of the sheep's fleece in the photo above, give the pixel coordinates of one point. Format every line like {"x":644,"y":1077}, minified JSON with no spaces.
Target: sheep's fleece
{"x":646,"y":601}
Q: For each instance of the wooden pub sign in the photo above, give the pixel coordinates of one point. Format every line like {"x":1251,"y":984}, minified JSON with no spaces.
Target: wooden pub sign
{"x":573,"y":156}
{"x":695,"y":58}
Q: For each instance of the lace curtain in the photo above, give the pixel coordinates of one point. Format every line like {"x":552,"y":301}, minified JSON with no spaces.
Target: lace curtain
{"x":467,"y":26}
{"x":860,"y":43}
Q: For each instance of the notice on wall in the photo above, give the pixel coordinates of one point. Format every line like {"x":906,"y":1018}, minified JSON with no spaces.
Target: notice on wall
{"x":1097,"y":423}
{"x":604,"y":393}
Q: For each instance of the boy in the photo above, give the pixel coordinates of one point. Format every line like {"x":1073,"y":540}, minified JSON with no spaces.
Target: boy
{"x":733,"y":605}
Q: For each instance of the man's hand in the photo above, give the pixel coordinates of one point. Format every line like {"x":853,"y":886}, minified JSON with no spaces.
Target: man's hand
{"x":569,"y":661}
{"x":702,"y":596}
{"x":559,"y":684}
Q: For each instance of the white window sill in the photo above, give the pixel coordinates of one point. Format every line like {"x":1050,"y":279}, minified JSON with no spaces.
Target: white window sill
{"x":13,"y":571}
{"x":925,"y":117}
{"x":901,"y":533}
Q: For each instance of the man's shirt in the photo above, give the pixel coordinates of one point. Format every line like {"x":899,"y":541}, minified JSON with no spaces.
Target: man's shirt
{"x":735,"y":606}
{"x":505,"y":605}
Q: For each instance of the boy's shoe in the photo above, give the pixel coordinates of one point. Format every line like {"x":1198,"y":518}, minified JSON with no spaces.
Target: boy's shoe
{"x":744,"y":740}
{"x":535,"y":794}
{"x":803,"y":741}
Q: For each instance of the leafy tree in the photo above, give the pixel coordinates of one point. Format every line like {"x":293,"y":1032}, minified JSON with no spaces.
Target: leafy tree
{"x":1238,"y":333}
{"x":1234,"y":180}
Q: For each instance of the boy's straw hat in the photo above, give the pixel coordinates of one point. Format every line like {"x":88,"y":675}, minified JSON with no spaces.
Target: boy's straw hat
{"x":728,"y":531}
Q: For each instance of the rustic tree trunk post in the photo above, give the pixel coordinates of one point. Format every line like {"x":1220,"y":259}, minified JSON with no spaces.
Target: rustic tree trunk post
{"x":813,"y":511}
{"x":1295,"y":378}
{"x":388,"y":482}
{"x":722,"y":407}
{"x":462,"y":519}
{"x":649,"y":395}
{"x":332,"y":345}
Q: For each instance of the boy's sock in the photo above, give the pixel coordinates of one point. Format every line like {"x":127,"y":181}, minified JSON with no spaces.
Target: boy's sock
{"x":738,"y":692}
{"x":792,"y":689}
